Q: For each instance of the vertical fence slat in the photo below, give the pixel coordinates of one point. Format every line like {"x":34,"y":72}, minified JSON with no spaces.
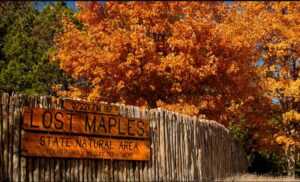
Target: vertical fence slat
{"x":29,"y":170}
{"x":71,"y":166}
{"x":23,"y":167}
{"x":107,"y":176}
{"x":2,"y":135}
{"x":189,"y":148}
{"x":155,"y":133}
{"x":56,"y":172}
{"x":10,"y":137}
{"x":153,"y":142}
{"x":166,"y":144}
{"x":40,"y":169}
{"x":15,"y":139}
{"x":98,"y":170}
{"x":161,"y":148}
{"x":1,"y":140}
{"x":51,"y":168}
{"x":174,"y":127}
{"x":181,"y":154}
{"x":5,"y":107}
{"x":171,"y":145}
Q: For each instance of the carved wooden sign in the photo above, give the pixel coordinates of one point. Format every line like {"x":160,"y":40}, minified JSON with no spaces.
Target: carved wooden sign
{"x":84,"y":130}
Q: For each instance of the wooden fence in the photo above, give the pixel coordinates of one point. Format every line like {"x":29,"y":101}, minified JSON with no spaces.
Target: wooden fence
{"x":182,"y":148}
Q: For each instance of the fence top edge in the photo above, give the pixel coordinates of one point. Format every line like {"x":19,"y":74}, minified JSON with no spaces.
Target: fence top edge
{"x":148,"y":110}
{"x":192,"y":118}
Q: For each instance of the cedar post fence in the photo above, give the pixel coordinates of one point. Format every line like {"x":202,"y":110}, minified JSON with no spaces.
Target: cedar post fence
{"x":183,"y":148}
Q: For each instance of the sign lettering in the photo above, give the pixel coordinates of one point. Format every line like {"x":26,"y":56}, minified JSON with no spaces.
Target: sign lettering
{"x":64,"y":146}
{"x":72,"y":105}
{"x":40,"y":119}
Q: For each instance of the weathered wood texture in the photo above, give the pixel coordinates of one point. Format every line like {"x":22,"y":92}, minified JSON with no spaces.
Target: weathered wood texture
{"x":183,"y":148}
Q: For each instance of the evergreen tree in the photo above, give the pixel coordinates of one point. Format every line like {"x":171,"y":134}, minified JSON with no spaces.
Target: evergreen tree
{"x":26,"y":40}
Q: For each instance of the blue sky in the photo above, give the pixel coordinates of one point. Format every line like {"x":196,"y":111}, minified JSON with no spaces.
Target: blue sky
{"x":41,"y":4}
{"x":70,"y":4}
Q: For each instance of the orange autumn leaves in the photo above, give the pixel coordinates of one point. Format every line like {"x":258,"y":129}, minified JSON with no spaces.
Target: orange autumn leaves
{"x":156,"y":54}
{"x":191,"y":57}
{"x":282,"y":67}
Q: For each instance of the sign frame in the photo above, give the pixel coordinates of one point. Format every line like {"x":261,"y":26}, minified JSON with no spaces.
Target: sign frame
{"x":40,"y":123}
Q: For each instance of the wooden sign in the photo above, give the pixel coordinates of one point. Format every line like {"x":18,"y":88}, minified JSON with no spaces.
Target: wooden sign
{"x":65,"y":146}
{"x":84,"y":131}
{"x":82,"y":106}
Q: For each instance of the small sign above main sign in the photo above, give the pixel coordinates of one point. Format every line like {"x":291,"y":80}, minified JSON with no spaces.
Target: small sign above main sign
{"x":82,"y":106}
{"x":84,"y":131}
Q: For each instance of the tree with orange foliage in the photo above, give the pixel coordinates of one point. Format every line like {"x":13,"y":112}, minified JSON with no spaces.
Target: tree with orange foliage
{"x":282,"y":69}
{"x":277,"y":24}
{"x":161,"y":54}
